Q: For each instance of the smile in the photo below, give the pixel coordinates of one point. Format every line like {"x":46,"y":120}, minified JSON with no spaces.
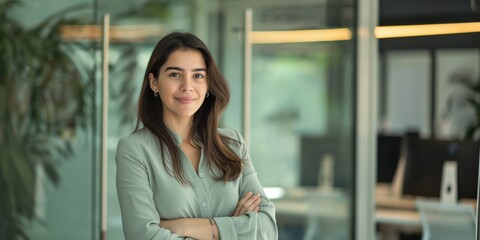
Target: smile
{"x":185,"y":100}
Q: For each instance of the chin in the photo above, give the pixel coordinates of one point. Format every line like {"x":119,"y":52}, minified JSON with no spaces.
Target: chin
{"x":187,"y":114}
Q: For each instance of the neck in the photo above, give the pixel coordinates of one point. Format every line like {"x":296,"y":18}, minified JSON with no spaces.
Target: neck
{"x":180,"y":126}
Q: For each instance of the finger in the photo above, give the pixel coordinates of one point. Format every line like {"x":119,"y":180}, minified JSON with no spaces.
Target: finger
{"x":241,"y":203}
{"x":247,"y":203}
{"x":236,"y":213}
{"x":245,"y":198}
{"x":257,"y":208}
{"x":254,"y":204}
{"x":258,"y":201}
{"x":246,"y":206}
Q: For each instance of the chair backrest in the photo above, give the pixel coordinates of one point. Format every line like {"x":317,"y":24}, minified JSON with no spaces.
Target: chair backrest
{"x":441,"y":221}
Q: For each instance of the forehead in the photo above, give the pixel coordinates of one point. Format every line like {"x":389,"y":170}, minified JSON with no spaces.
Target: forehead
{"x":186,"y":59}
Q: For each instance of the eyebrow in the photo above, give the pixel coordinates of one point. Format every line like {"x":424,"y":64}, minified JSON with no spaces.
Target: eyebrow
{"x":181,"y":69}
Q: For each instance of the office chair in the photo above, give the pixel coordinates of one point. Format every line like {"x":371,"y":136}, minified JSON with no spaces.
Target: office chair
{"x":443,"y":221}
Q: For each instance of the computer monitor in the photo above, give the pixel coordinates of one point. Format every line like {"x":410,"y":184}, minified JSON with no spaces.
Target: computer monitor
{"x":424,"y":166}
{"x":388,"y":155}
{"x":467,"y":169}
{"x":313,"y":149}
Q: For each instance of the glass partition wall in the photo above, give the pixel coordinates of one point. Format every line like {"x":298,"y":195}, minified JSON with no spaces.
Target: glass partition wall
{"x":290,"y":67}
{"x":291,"y":71}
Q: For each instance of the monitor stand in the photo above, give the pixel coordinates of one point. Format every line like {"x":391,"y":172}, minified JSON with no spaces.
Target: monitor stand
{"x":326,"y":172}
{"x":397,"y":183}
{"x":448,"y":193}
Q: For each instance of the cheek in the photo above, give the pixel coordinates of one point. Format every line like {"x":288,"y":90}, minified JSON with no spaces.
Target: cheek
{"x":165,"y":96}
{"x":166,"y":90}
{"x":203,"y":89}
{"x":162,"y":95}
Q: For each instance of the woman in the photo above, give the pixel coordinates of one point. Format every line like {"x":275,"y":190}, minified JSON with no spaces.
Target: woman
{"x":180,"y":177}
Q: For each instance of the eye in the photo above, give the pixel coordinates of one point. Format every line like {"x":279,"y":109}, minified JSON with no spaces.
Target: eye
{"x":198,"y":76}
{"x":175,"y":75}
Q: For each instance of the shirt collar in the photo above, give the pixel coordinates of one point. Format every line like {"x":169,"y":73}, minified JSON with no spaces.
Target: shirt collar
{"x":178,"y":139}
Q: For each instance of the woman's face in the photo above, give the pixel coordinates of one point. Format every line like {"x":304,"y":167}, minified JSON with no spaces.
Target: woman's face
{"x":181,"y":84}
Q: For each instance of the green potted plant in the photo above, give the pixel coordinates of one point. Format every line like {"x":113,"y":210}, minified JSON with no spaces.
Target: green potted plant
{"x":43,"y":97}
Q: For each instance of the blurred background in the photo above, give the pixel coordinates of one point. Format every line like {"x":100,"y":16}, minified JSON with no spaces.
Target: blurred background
{"x":325,"y":92}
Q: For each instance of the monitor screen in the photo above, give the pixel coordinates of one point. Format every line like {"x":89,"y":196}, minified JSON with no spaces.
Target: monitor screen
{"x":467,"y":168}
{"x":424,"y":166}
{"x":388,"y":155}
{"x":313,"y":149}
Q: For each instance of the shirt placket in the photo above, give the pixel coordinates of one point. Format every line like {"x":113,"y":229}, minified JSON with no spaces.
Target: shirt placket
{"x":200,"y":187}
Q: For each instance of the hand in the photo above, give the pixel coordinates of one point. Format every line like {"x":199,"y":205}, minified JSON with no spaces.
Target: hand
{"x":249,"y":202}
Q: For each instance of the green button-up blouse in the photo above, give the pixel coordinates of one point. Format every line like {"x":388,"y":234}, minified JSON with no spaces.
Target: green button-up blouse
{"x":148,"y":194}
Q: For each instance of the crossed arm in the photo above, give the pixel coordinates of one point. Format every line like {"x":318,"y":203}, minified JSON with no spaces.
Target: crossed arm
{"x":201,"y":228}
{"x":253,"y":218}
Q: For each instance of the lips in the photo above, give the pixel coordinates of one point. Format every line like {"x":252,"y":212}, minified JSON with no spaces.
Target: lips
{"x":185,"y":100}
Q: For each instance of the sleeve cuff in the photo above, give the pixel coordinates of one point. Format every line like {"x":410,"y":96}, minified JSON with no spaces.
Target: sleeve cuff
{"x":225,"y":228}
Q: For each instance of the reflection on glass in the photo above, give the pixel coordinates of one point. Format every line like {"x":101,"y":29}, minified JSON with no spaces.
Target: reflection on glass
{"x":301,"y":110}
{"x":289,"y":95}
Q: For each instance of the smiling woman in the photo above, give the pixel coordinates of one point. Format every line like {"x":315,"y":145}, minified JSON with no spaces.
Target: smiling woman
{"x":181,"y":84}
{"x":179,"y":176}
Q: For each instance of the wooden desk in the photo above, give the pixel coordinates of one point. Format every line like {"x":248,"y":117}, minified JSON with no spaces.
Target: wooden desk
{"x":391,"y":202}
{"x":394,"y":215}
{"x":302,"y":203}
{"x":391,"y":221}
{"x":409,"y":218}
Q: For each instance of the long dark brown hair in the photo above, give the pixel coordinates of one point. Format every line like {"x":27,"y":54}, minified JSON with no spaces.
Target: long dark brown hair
{"x":205,"y":120}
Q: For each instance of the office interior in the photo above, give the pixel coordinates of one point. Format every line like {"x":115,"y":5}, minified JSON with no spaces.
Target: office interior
{"x":345,"y":142}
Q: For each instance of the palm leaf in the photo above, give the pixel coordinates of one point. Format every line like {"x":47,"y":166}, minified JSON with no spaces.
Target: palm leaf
{"x":42,"y":96}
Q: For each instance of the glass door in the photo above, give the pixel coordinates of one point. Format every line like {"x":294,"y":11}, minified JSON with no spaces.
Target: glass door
{"x":290,"y":68}
{"x":117,"y":38}
{"x":135,"y":29}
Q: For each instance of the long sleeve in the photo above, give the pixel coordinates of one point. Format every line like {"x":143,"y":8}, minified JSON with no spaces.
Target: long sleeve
{"x":139,"y":216}
{"x":252,"y":225}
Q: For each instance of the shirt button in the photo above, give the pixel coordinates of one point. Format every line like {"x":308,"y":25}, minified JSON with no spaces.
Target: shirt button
{"x":201,"y":175}
{"x":204,"y":204}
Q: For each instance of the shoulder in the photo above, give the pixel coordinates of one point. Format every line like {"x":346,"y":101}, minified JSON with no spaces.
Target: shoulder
{"x":136,"y":147}
{"x":231,"y":134}
{"x":228,"y":132}
{"x":234,"y":140}
{"x":138,"y":138}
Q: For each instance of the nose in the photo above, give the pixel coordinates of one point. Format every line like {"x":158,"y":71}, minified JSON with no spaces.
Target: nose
{"x":186,"y":84}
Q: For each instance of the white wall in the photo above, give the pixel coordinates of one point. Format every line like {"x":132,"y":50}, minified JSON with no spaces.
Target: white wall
{"x":407,"y":100}
{"x":408,"y":95}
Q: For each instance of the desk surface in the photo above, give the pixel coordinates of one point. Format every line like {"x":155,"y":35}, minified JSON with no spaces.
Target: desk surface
{"x":311,"y":202}
{"x":394,"y":210}
{"x":397,"y":217}
{"x":389,"y":210}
